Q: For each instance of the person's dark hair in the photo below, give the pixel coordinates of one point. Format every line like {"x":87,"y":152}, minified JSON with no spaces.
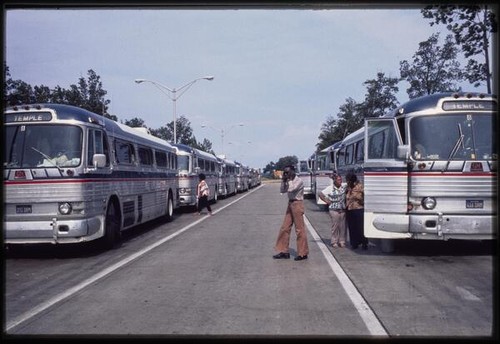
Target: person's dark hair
{"x":291,"y":167}
{"x":351,"y":179}
{"x":202,"y":176}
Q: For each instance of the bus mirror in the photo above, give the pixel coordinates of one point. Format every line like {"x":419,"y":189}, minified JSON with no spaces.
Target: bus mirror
{"x":332,"y":166}
{"x":403,"y":152}
{"x":99,"y":160}
{"x":197,"y":170}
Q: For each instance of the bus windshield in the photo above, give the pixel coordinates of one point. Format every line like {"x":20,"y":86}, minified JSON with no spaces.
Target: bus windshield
{"x":29,"y":146}
{"x":303,"y":166}
{"x":183,"y":162}
{"x":454,"y":137}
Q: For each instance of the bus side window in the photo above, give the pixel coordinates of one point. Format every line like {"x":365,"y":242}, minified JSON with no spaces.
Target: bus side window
{"x":161,"y":159}
{"x":360,"y":152}
{"x":376,"y":145}
{"x":124,"y":151}
{"x":341,"y":157}
{"x":383,"y":142}
{"x":349,"y":154}
{"x":145,"y":156}
{"x":97,"y":144}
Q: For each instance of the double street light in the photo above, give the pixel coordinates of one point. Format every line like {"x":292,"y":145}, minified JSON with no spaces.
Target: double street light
{"x":173,"y":94}
{"x":223,"y":132}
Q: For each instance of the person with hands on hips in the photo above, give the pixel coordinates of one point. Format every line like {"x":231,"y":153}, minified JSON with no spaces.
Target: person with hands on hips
{"x":334,"y":196}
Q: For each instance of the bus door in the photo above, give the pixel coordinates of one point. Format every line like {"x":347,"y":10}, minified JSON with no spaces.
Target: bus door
{"x":385,"y":181}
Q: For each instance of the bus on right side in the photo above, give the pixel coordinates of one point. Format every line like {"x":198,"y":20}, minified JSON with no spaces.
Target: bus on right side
{"x":429,"y":169}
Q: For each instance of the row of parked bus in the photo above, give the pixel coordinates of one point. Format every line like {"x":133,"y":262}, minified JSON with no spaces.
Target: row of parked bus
{"x":73,"y":176}
{"x":429,"y":169}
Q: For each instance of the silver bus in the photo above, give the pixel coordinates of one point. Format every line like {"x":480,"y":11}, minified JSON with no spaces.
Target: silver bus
{"x":190,"y":163}
{"x":322,"y":166}
{"x":72,"y":176}
{"x":227,"y":177}
{"x":242,"y":176}
{"x":303,"y":172}
{"x":429,"y":169}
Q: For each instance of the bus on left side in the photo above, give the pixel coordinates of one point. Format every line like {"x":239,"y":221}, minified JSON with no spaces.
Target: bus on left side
{"x":73,"y":176}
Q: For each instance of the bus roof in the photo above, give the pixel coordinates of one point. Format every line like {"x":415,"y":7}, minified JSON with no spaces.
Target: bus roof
{"x":70,"y":112}
{"x":431,"y":101}
{"x":186,"y":148}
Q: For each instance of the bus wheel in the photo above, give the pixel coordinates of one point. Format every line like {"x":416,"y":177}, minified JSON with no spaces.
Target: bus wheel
{"x":112,"y":232}
{"x":170,"y":208}
{"x":387,"y":245}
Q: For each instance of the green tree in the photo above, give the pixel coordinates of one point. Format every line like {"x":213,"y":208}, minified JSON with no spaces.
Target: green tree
{"x":135,"y":122}
{"x":184,"y":134}
{"x":16,"y":92}
{"x":271,"y":166}
{"x":285,"y":161}
{"x":335,"y":129}
{"x":205,"y":146}
{"x":434,"y":68}
{"x":380,"y":98}
{"x":87,"y":94}
{"x":472,"y":26}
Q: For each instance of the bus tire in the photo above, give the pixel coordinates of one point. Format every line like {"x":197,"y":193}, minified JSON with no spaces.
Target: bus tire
{"x":387,"y":245}
{"x":112,"y":234}
{"x":170,"y":207}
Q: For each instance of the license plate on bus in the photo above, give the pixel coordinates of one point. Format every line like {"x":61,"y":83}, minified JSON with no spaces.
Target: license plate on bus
{"x":474,"y":204}
{"x":23,"y":209}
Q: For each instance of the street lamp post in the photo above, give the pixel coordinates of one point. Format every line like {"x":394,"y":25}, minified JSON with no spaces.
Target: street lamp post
{"x":173,"y":95}
{"x":223,"y":132}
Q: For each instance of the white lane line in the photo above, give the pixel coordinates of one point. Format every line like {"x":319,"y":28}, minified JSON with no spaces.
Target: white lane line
{"x":71,"y":291}
{"x":364,"y":310}
{"x":467,"y":295}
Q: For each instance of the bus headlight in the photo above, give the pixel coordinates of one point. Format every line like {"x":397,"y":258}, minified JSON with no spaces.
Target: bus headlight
{"x":65,"y":208}
{"x":429,"y":203}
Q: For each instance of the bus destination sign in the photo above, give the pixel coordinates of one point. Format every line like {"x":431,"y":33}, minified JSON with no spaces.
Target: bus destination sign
{"x":454,"y":105}
{"x":28,"y":117}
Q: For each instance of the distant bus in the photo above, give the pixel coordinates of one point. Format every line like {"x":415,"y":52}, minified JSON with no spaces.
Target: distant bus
{"x":322,"y":166}
{"x":72,"y":176}
{"x":429,"y":169}
{"x":242,"y":175}
{"x":303,"y":172}
{"x":227,"y":177}
{"x":190,"y":163}
{"x":254,"y":178}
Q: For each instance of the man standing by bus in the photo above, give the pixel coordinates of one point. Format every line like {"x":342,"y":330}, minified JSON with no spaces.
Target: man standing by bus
{"x":294,"y":187}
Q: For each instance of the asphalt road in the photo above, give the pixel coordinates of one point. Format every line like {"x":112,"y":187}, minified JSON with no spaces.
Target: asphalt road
{"x":215,"y":276}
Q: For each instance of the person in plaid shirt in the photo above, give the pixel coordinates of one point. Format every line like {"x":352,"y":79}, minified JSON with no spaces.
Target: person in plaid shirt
{"x":335,"y":197}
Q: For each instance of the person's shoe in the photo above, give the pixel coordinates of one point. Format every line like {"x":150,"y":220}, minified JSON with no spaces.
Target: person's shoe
{"x":341,"y":245}
{"x":335,"y":245}
{"x":282,"y":255}
{"x":300,"y":257}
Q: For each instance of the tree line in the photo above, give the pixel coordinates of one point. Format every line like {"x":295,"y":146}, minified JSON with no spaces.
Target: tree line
{"x":433,"y":68}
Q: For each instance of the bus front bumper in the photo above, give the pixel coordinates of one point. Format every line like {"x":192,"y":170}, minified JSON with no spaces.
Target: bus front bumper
{"x":56,"y":231}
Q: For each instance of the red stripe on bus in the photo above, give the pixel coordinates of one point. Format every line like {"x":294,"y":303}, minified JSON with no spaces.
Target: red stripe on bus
{"x":430,"y":174}
{"x":76,"y":181}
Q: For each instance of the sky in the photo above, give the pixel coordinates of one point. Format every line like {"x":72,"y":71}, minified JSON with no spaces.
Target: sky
{"x":279,"y":72}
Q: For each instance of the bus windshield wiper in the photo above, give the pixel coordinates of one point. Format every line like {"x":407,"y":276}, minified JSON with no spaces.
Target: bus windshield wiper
{"x":48,"y":158}
{"x":460,"y":141}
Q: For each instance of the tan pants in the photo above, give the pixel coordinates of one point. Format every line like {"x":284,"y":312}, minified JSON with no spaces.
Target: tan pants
{"x":294,"y":216}
{"x":339,"y":226}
